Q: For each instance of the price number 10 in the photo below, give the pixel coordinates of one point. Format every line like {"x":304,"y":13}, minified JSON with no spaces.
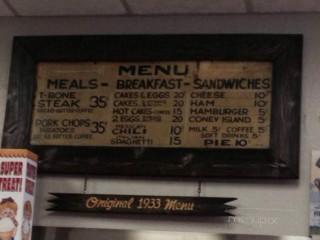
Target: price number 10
{"x":175,"y":135}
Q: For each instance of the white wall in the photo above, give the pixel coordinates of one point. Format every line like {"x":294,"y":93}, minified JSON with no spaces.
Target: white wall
{"x":264,"y":206}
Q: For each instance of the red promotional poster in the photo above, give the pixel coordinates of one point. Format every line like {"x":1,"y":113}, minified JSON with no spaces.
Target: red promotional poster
{"x":18,"y":168}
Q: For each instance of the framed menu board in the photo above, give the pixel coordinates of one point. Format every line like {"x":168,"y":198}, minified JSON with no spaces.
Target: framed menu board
{"x":158,"y":105}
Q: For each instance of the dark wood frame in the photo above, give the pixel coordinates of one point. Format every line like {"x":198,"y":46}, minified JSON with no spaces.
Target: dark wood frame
{"x":281,"y":160}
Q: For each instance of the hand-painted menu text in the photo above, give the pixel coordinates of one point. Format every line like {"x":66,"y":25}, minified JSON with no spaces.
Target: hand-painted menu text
{"x":206,"y":104}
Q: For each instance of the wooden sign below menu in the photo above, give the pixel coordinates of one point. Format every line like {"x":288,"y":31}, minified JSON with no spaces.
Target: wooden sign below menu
{"x":189,"y":104}
{"x":137,"y":204}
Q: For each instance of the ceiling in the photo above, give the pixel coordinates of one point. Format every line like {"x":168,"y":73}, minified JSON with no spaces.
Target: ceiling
{"x":151,"y":7}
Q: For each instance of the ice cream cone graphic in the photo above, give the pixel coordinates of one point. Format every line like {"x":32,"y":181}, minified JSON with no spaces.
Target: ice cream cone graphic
{"x":6,"y":228}
{"x":6,"y":235}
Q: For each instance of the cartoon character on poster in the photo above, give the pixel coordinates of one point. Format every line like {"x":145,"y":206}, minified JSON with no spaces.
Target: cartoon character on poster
{"x":315,"y":194}
{"x":8,"y":222}
{"x":26,"y":224}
